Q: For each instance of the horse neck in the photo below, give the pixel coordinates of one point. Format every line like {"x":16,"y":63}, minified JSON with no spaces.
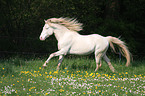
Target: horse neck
{"x":60,"y":31}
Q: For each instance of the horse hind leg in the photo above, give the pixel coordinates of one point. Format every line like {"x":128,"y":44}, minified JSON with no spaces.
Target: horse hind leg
{"x":109,"y":63}
{"x":97,"y":58}
{"x":60,"y":61}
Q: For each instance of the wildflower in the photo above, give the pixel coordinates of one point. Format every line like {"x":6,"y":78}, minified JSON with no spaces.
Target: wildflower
{"x":3,"y":68}
{"x":46,"y":93}
{"x":16,"y":91}
{"x":61,"y":90}
{"x":50,"y":73}
{"x":39,"y":67}
{"x":18,"y":81}
{"x":46,"y":73}
{"x":96,"y":87}
{"x":91,"y":74}
{"x":55,"y":72}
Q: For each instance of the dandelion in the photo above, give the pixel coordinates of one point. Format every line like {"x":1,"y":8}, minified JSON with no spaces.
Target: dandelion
{"x":61,"y":90}
{"x":46,"y":73}
{"x":91,"y":74}
{"x":39,"y":67}
{"x":50,"y":73}
{"x":96,"y":87}
{"x":46,"y":93}
{"x":3,"y":68}
{"x":126,"y":73}
{"x":55,"y":72}
{"x":50,"y":76}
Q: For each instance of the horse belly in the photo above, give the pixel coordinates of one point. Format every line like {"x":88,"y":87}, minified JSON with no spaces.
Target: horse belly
{"x":82,"y":48}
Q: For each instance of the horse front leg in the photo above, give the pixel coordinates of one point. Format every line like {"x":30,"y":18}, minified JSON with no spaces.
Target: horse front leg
{"x":51,"y":55}
{"x":58,"y":53}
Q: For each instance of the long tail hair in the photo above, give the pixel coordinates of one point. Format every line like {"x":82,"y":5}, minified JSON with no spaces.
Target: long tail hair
{"x":122,"y":47}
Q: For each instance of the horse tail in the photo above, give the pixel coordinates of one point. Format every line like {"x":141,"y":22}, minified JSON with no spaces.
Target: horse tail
{"x":122,"y":47}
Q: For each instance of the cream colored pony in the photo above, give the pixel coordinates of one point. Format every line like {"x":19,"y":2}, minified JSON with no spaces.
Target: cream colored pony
{"x":71,"y":42}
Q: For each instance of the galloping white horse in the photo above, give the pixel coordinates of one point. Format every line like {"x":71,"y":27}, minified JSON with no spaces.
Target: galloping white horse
{"x":71,"y":42}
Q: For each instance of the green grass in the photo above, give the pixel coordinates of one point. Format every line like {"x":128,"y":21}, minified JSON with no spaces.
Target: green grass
{"x":26,"y":77}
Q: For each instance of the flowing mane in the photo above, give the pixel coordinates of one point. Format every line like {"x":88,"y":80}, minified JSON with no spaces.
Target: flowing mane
{"x":70,"y":23}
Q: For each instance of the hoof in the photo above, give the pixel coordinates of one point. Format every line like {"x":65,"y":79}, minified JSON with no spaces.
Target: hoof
{"x":44,"y":67}
{"x":57,"y":68}
{"x":96,"y":70}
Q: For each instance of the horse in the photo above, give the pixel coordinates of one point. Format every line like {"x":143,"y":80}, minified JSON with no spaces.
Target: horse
{"x":71,"y":42}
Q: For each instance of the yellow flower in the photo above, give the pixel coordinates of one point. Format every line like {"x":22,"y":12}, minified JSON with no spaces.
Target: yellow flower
{"x":55,"y":72}
{"x":18,"y":81}
{"x":50,"y":76}
{"x":50,"y":73}
{"x":96,"y":87}
{"x":39,"y":67}
{"x":61,"y":90}
{"x":46,"y":73}
{"x":91,"y":74}
{"x":46,"y":93}
{"x":65,"y":68}
{"x":3,"y":68}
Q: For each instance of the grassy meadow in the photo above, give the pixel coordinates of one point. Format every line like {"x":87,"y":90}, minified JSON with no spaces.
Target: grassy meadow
{"x":26,"y":77}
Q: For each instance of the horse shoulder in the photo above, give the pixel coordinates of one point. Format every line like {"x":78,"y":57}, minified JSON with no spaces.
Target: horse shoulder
{"x":66,"y":41}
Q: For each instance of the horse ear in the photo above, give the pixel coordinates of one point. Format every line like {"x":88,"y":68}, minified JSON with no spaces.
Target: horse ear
{"x":45,"y":20}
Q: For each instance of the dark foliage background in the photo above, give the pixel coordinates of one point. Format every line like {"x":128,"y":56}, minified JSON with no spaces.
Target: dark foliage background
{"x":21,"y":22}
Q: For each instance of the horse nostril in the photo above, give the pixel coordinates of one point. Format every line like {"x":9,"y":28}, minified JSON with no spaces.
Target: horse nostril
{"x":40,"y":38}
